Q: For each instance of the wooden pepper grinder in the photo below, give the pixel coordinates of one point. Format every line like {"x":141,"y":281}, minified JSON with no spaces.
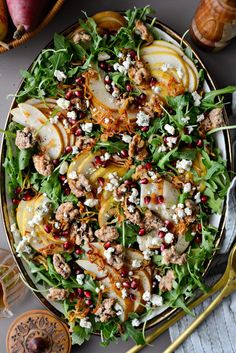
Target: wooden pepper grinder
{"x":214,"y":24}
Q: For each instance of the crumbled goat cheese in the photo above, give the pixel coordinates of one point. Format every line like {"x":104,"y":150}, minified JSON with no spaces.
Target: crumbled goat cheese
{"x":162,"y":148}
{"x":185,"y":119}
{"x":85,"y":323}
{"x":118,"y":308}
{"x":72,"y":175}
{"x":190,"y":129}
{"x":108,"y":253}
{"x":80,"y":279}
{"x":102,"y":56}
{"x":180,"y":205}
{"x":156,"y":300}
{"x":171,"y":141}
{"x":87,"y":127}
{"x":106,"y":156}
{"x":134,"y":196}
{"x":158,"y":278}
{"x":124,"y":293}
{"x":142,"y":119}
{"x":91,"y":202}
{"x":120,"y":55}
{"x":87,"y":103}
{"x":197,"y":197}
{"x":63,"y":103}
{"x":63,"y":168}
{"x":175,"y":218}
{"x":75,"y":150}
{"x":126,"y":138}
{"x":113,"y":182}
{"x":116,"y":92}
{"x":187,"y":187}
{"x":23,"y":246}
{"x":163,"y":229}
{"x":39,"y":214}
{"x":188,"y":211}
{"x":54,"y":120}
{"x":127,"y":62}
{"x":106,"y":120}
{"x":130,"y":273}
{"x":71,"y":114}
{"x":60,"y":76}
{"x":120,"y":68}
{"x":166,"y":67}
{"x":131,"y":208}
{"x":65,"y":123}
{"x":147,"y":296}
{"x":118,"y":285}
{"x":156,"y":89}
{"x":170,"y":129}
{"x":200,"y":118}
{"x":169,"y":237}
{"x":197,"y":98}
{"x":180,"y":213}
{"x":147,"y":254}
{"x":136,"y":263}
{"x":57,"y":225}
{"x":183,"y":165}
{"x":135,"y":322}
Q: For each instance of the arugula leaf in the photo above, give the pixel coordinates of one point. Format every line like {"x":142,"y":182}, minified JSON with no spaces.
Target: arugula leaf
{"x":208,"y":100}
{"x":111,"y":146}
{"x":80,"y":335}
{"x":24,"y":158}
{"x":134,"y":333}
{"x":166,"y":158}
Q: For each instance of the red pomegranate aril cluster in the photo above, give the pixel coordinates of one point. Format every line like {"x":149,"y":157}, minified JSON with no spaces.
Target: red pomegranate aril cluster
{"x":163,"y":247}
{"x":144,"y":128}
{"x":78,"y":132}
{"x":126,"y":284}
{"x":15,"y":201}
{"x":87,"y":294}
{"x":144,"y":181}
{"x":128,"y":87}
{"x":161,"y":234}
{"x":68,"y":149}
{"x":17,"y":190}
{"x":79,"y":94}
{"x":204,"y":198}
{"x":168,"y":224}
{"x":132,"y":297}
{"x":80,"y":80}
{"x":97,"y":160}
{"x":142,"y":231}
{"x":27,"y":196}
{"x":107,"y":245}
{"x":124,"y":272}
{"x":128,"y":182}
{"x":132,"y":54}
{"x":159,"y":199}
{"x":69,"y":95}
{"x":80,"y":292}
{"x":66,"y":191}
{"x":107,"y":80}
{"x":47,"y":228}
{"x":62,"y":178}
{"x":198,"y":239}
{"x":67,"y":245}
{"x":124,"y":153}
{"x":148,"y":166}
{"x":147,"y":200}
{"x":89,"y":302}
{"x":199,"y":227}
{"x":199,"y":143}
{"x":101,"y":181}
{"x":134,"y":284}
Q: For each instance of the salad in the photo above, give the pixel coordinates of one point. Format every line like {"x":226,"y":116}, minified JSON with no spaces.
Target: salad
{"x":114,"y":173}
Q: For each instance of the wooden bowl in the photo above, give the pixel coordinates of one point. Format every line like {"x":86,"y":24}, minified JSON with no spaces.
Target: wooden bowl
{"x":13,"y":43}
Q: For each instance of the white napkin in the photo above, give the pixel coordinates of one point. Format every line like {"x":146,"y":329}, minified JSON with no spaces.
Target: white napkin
{"x":217,"y":334}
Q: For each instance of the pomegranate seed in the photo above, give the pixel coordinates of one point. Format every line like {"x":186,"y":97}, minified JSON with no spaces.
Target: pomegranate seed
{"x":103,"y":65}
{"x":87,"y":294}
{"x":89,"y":302}
{"x":79,"y":94}
{"x":80,"y":80}
{"x":142,"y":231}
{"x":65,"y":233}
{"x":68,"y":149}
{"x":142,"y":97}
{"x":107,"y":80}
{"x":163,"y":247}
{"x":132,"y":54}
{"x":47,"y":228}
{"x":199,"y":143}
{"x":56,"y":236}
{"x":134,"y":285}
{"x":79,"y":271}
{"x":168,"y":224}
{"x":199,"y":227}
{"x":129,"y":88}
{"x":144,"y":181}
{"x":155,"y":284}
{"x":126,"y":284}
{"x":124,"y":153}
{"x":78,"y":132}
{"x":124,"y":272}
{"x":101,"y":181}
{"x":67,"y":245}
{"x":144,"y":128}
{"x":81,"y":114}
{"x":62,"y":177}
{"x":109,"y":68}
{"x":97,"y":160}
{"x":79,"y":251}
{"x":15,"y":201}
{"x":204,"y":198}
{"x":80,"y":292}
{"x":128,"y":182}
{"x":198,"y":239}
{"x":69,"y":95}
{"x":152,"y":81}
{"x":72,"y":121}
{"x":27,"y":197}
{"x":66,"y":191}
{"x":147,"y":200}
{"x":55,"y":162}
{"x":165,"y":139}
{"x":161,"y":234}
{"x":18,"y":190}
{"x":107,"y":245}
{"x":148,"y":166}
{"x":159,"y":199}
{"x":132,"y":297}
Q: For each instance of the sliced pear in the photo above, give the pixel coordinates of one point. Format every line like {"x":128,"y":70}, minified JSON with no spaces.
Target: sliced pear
{"x":82,"y":164}
{"x":65,"y":135}
{"x":108,"y":209}
{"x":167,"y":190}
{"x":109,"y":20}
{"x":92,"y":268}
{"x":50,"y":137}
{"x":24,"y":213}
{"x":181,"y":244}
{"x":100,"y":96}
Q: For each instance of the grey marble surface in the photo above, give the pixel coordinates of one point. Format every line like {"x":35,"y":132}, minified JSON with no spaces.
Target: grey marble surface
{"x":176,"y":14}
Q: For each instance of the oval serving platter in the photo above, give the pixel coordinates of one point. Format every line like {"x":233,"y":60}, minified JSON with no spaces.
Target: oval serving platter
{"x":222,"y":141}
